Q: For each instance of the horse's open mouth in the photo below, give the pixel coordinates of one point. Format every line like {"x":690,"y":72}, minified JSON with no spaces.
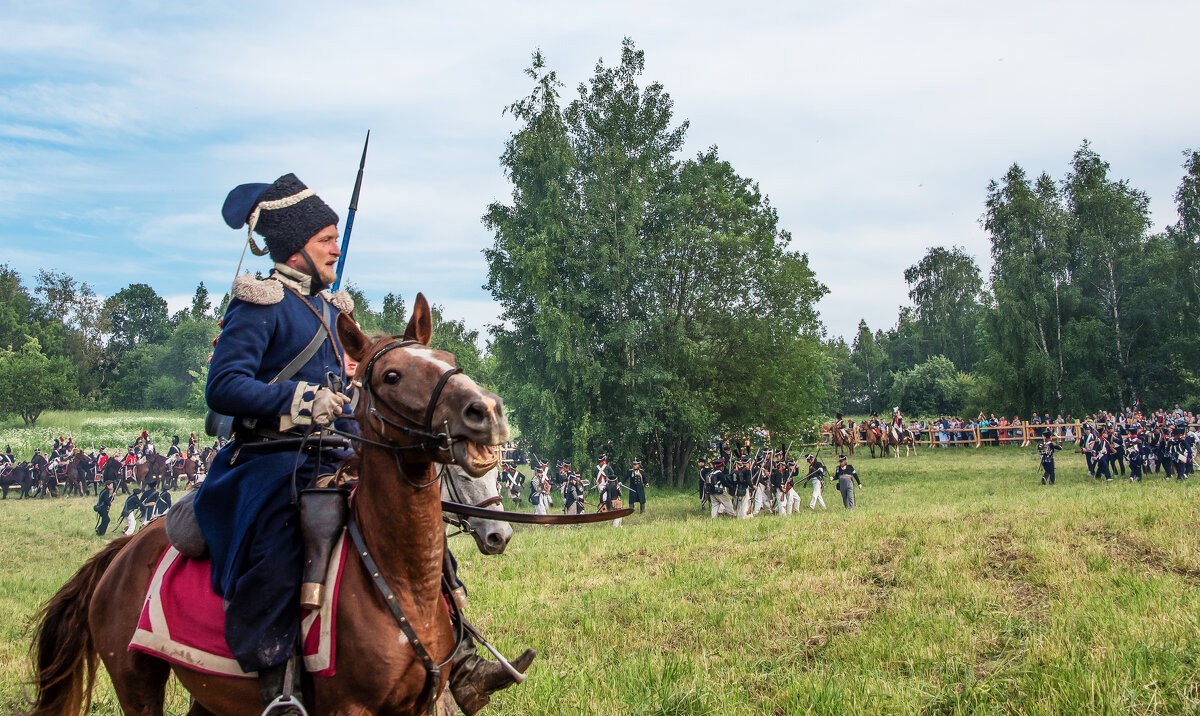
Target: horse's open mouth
{"x":475,"y":458}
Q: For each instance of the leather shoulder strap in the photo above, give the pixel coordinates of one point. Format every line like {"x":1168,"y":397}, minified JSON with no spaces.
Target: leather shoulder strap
{"x":309,"y":351}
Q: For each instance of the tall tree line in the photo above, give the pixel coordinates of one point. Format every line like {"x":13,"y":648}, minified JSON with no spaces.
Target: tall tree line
{"x":1086,"y":307}
{"x":62,"y":346}
{"x":647,"y":299}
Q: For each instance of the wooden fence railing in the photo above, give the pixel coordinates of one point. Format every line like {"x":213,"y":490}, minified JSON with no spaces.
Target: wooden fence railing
{"x":1024,"y":434}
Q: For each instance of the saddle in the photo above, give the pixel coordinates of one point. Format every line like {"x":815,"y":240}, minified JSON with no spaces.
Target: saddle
{"x":183,"y":621}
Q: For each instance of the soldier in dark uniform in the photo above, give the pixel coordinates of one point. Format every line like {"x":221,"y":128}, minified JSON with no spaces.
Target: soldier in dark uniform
{"x":1046,"y":449}
{"x":740,"y":481}
{"x":129,"y":512}
{"x":777,"y":478}
{"x":244,"y":507}
{"x":1100,"y":457}
{"x":718,"y":486}
{"x":816,"y":475}
{"x":847,"y":479}
{"x":601,"y":479}
{"x":704,"y":470}
{"x":1136,"y":459}
{"x":573,"y":496}
{"x":636,"y":482}
{"x":149,"y":501}
{"x":103,"y":504}
{"x":37,"y":467}
{"x":1116,"y":452}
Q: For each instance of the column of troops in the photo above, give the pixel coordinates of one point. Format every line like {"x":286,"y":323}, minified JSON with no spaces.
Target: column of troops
{"x":741,"y":485}
{"x":566,"y":487}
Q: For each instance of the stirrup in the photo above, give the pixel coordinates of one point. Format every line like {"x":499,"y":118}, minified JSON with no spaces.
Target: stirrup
{"x":284,"y":701}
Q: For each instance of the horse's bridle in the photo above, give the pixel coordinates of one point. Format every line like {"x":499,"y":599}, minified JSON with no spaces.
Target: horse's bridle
{"x":429,"y":440}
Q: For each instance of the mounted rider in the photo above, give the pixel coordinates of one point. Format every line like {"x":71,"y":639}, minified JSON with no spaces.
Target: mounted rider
{"x":173,"y":454}
{"x":279,"y":370}
{"x":839,"y":426}
{"x":130,"y":461}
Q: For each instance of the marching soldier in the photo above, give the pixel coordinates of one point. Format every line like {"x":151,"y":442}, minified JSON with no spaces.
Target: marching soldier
{"x":129,"y":512}
{"x":778,"y":476}
{"x":847,"y":478}
{"x":1046,"y":449}
{"x":740,"y":480}
{"x":816,"y":475}
{"x":791,"y":500}
{"x":149,"y":501}
{"x":1101,"y":451}
{"x":1136,"y":459}
{"x":103,"y":504}
{"x":539,"y":491}
{"x":718,"y":487}
{"x":573,"y":496}
{"x":636,"y":482}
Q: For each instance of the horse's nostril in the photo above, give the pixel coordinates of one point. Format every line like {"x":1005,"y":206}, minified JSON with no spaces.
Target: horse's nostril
{"x":476,"y":413}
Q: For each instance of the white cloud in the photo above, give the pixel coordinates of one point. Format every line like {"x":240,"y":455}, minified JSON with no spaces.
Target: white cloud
{"x":874,"y":127}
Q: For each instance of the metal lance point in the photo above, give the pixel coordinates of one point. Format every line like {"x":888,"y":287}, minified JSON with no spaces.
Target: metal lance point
{"x":351,"y":212}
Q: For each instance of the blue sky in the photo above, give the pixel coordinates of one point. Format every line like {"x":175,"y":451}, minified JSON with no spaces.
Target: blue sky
{"x":873,"y":126}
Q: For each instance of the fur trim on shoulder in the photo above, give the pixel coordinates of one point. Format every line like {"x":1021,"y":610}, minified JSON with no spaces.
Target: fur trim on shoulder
{"x":264,"y":292}
{"x":342,"y":301}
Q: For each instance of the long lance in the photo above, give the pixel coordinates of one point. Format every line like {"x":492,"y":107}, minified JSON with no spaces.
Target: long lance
{"x":351,"y":212}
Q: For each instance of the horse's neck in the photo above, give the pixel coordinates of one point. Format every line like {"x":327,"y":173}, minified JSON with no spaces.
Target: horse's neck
{"x":401,"y":525}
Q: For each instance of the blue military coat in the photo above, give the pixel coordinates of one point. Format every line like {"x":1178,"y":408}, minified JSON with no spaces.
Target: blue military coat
{"x":265,"y":327}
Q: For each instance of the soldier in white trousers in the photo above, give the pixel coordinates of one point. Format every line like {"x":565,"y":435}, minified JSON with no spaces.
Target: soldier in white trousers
{"x":816,"y":475}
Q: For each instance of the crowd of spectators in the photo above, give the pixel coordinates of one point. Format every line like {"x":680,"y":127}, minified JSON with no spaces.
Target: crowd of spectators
{"x":951,"y":430}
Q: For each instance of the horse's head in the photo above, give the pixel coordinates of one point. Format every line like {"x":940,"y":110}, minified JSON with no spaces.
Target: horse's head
{"x":413,"y":395}
{"x":491,"y":536}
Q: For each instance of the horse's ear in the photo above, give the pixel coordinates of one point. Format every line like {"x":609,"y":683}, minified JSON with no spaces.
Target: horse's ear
{"x":420,"y":326}
{"x":354,"y":341}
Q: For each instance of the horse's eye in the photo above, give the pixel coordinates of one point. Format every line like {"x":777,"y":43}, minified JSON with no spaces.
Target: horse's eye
{"x":391,"y":377}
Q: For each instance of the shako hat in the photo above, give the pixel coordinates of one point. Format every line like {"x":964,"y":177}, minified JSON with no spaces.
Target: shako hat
{"x":286,"y":213}
{"x":841,"y":458}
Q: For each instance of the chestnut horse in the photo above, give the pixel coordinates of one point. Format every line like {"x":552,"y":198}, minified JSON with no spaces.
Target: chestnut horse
{"x":846,"y":441}
{"x":415,"y":409}
{"x":876,"y":435}
{"x":149,"y":467}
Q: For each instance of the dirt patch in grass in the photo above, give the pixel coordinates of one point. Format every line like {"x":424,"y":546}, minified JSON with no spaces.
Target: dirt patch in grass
{"x":1132,"y":551}
{"x":1007,"y":561}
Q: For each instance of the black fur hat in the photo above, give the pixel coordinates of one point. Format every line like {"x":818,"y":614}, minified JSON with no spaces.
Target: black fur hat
{"x":287,"y":225}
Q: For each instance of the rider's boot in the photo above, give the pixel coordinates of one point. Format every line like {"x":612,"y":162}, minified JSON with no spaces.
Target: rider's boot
{"x":474,"y":679}
{"x":270,"y":690}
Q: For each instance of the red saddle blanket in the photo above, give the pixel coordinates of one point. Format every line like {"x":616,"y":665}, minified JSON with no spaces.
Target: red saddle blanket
{"x":183,"y":621}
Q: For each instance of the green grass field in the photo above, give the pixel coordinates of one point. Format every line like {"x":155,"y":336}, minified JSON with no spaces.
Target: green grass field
{"x":959,"y":585}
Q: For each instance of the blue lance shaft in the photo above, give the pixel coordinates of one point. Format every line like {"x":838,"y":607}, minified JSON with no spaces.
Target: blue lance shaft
{"x":350,"y":214}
